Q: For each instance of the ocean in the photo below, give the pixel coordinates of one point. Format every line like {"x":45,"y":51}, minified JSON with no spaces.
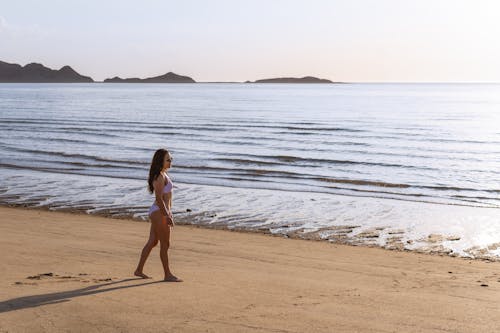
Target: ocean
{"x":401,"y":166}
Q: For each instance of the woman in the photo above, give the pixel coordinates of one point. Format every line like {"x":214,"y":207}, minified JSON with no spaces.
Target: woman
{"x":160,"y":213}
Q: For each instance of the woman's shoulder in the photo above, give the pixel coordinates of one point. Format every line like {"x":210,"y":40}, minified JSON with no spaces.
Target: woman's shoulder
{"x":161,"y":177}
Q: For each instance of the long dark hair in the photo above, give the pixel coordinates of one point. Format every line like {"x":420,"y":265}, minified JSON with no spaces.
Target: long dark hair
{"x":156,"y":166}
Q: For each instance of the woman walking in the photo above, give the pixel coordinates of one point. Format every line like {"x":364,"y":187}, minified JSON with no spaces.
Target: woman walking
{"x":160,"y":214}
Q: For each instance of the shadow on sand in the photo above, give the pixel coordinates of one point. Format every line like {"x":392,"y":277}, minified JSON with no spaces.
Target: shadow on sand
{"x":65,"y":296}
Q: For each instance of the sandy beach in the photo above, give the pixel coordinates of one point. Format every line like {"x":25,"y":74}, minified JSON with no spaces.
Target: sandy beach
{"x":67,"y":272}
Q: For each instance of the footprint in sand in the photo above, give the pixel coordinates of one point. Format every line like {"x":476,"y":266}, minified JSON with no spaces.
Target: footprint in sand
{"x":40,"y":276}
{"x":34,"y":277}
{"x":52,"y":277}
{"x":249,"y":307}
{"x":26,"y":283}
{"x":103,"y":280}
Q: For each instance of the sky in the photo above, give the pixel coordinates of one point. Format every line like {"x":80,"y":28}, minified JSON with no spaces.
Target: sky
{"x":239,"y":40}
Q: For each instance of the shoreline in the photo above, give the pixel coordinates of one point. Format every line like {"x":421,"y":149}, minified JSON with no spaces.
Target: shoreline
{"x":434,"y":249}
{"x":67,"y":271}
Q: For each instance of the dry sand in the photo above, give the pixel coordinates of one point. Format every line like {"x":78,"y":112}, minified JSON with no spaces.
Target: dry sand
{"x":234,"y":282}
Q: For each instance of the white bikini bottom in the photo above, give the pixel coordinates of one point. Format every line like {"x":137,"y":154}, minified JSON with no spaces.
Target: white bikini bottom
{"x":153,"y":209}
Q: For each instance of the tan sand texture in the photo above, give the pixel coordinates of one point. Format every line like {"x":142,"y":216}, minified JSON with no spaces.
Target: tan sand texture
{"x":233,"y":282}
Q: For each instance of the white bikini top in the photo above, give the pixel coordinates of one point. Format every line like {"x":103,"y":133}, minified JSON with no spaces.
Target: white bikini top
{"x":169,"y":185}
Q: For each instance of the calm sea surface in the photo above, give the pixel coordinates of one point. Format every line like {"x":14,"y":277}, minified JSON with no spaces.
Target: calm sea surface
{"x":255,"y":154}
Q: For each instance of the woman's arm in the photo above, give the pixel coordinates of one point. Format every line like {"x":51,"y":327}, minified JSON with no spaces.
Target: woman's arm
{"x":158,"y":185}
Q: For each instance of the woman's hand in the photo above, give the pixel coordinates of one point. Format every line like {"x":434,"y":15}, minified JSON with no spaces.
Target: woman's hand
{"x":171,"y":218}
{"x":168,"y":219}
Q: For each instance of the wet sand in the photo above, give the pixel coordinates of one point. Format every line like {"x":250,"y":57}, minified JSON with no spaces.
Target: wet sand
{"x":68,"y":272}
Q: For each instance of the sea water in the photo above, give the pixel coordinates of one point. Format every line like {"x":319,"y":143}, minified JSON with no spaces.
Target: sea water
{"x":413,"y":166}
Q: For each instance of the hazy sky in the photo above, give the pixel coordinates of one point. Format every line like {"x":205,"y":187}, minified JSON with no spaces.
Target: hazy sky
{"x":237,"y":40}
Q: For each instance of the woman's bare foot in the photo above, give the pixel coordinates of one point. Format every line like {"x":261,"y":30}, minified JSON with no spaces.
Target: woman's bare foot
{"x":141,"y":274}
{"x":172,"y":278}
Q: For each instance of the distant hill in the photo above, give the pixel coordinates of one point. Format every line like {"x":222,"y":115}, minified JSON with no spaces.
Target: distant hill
{"x":37,"y":73}
{"x":166,"y":78}
{"x":305,"y":79}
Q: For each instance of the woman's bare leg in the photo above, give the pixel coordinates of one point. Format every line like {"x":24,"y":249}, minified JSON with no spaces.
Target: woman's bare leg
{"x":163,"y":233}
{"x":151,"y":243}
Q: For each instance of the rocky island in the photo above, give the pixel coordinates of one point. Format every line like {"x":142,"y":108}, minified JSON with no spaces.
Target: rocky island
{"x":166,"y":78}
{"x":305,"y":79}
{"x":37,"y":73}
